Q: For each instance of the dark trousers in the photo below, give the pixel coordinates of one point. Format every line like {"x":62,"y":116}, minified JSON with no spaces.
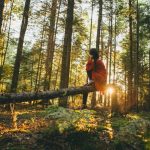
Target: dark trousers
{"x":89,"y":74}
{"x":85,"y":95}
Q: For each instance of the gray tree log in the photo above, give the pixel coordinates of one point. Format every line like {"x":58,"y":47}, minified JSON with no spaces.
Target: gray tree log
{"x":27,"y":97}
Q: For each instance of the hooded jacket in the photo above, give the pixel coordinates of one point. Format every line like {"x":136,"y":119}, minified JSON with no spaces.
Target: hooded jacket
{"x":99,"y":76}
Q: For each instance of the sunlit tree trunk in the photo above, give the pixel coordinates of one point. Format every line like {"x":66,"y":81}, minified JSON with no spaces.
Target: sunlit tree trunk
{"x":110,"y":47}
{"x":110,"y":39}
{"x":99,"y":25}
{"x":50,"y":46}
{"x":130,"y":54}
{"x":57,"y":19}
{"x":125,"y":96}
{"x":56,"y":28}
{"x":91,"y":28}
{"x":114,"y":65}
{"x":91,"y":25}
{"x":102,"y":42}
{"x":57,"y":73}
{"x":20,"y":47}
{"x":64,"y":80}
{"x":136,"y":77}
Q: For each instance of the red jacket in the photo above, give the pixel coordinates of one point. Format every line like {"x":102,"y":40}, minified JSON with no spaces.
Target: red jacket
{"x":99,"y":76}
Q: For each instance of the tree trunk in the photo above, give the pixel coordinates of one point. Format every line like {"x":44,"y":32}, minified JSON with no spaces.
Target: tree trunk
{"x":58,"y":68}
{"x":125,"y":78}
{"x":149,"y":73}
{"x":115,"y":45}
{"x":64,"y":80}
{"x":110,"y":39}
{"x":136,"y":77}
{"x":130,"y":72}
{"x":57,"y":72}
{"x":2,"y":2}
{"x":99,"y":25}
{"x":20,"y":47}
{"x":27,"y":97}
{"x":50,"y":46}
{"x":149,"y":78}
{"x":102,"y":43}
{"x":91,"y":25}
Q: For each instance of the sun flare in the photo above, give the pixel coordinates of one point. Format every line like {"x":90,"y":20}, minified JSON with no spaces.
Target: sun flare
{"x":110,"y":90}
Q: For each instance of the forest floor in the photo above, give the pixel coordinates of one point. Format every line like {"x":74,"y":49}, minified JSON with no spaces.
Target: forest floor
{"x":85,"y":130}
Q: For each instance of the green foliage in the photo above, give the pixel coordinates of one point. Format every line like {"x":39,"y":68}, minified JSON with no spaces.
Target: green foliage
{"x":119,"y":122}
{"x":67,"y":118}
{"x":132,"y":134}
{"x":147,"y":140}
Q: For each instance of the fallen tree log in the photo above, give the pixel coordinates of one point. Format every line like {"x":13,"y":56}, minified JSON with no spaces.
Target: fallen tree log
{"x":44,"y":95}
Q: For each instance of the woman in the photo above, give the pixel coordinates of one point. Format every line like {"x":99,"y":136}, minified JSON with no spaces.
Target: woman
{"x":96,"y":72}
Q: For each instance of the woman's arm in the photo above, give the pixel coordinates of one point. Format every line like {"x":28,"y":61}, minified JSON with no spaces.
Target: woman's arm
{"x":89,"y":65}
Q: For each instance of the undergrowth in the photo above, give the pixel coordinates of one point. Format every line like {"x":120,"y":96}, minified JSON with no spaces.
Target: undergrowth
{"x":78,"y":129}
{"x":67,"y":129}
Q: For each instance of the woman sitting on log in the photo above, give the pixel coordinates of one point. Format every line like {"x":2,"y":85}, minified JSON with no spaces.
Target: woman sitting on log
{"x":96,"y":72}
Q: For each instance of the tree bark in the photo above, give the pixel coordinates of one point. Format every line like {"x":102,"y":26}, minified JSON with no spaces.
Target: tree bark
{"x":2,"y":2}
{"x":50,"y":46}
{"x":110,"y":40}
{"x":65,"y":67}
{"x":91,"y":25}
{"x":99,"y":25}
{"x":26,"y":97}
{"x":130,"y":72}
{"x":136,"y":59}
{"x":115,"y":46}
{"x":149,"y":74}
{"x":20,"y":47}
{"x":56,"y":75}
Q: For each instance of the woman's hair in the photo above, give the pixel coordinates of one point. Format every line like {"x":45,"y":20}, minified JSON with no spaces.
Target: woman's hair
{"x":95,"y":54}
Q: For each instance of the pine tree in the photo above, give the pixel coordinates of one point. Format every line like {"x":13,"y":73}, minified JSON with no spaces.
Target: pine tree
{"x":20,"y":47}
{"x":64,"y":80}
{"x":1,"y":13}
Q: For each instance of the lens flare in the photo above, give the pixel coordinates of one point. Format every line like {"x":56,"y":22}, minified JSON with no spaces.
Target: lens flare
{"x":110,"y":90}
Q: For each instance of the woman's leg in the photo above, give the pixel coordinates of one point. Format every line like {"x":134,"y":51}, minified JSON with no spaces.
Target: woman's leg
{"x":89,"y":74}
{"x":85,"y":96}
